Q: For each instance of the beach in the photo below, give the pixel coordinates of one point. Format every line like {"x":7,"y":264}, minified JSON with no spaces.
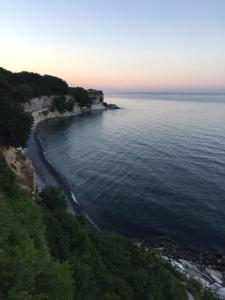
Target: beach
{"x":80,"y":132}
{"x":46,"y":175}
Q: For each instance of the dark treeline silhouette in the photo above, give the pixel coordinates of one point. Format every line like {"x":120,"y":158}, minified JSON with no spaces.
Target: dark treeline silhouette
{"x":23,"y":86}
{"x":18,"y":88}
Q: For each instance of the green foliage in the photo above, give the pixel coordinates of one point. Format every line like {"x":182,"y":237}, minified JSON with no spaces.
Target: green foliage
{"x":8,"y":185}
{"x":23,"y":86}
{"x":15,"y":124}
{"x":207,"y":295}
{"x":46,"y":253}
{"x":61,"y":104}
{"x":107,"y":265}
{"x":56,"y":281}
{"x":53,"y":198}
{"x":110,"y":266}
{"x":195,"y":288}
{"x":16,"y":88}
{"x":27,"y":272}
{"x":80,"y":95}
{"x":70,"y":104}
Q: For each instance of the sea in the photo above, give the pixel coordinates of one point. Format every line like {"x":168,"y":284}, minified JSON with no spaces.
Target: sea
{"x":153,"y":169}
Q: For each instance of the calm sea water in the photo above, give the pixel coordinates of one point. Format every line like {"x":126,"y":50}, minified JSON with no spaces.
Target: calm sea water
{"x":154,"y":168}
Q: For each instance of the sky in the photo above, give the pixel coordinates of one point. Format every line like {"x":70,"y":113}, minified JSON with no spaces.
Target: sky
{"x":155,"y":45}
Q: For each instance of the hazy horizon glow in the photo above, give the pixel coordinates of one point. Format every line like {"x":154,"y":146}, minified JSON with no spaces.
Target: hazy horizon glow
{"x":134,"y":45}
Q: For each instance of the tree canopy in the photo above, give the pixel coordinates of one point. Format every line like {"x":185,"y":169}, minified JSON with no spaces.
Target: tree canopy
{"x":80,"y":95}
{"x":23,"y":86}
{"x":47,"y":253}
{"x":107,"y":265}
{"x":17,"y":88}
{"x":15,"y":124}
{"x":27,"y":271}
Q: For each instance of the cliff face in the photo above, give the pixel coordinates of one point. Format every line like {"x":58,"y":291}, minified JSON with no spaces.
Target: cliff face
{"x":21,"y":166}
{"x":41,"y":109}
{"x":96,"y":96}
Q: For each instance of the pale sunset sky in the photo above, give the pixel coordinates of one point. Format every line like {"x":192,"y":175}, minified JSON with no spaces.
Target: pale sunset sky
{"x":121,"y":44}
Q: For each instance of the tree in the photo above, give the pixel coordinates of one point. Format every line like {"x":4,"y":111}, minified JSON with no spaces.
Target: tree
{"x":27,"y":271}
{"x":23,"y":86}
{"x":15,"y":124}
{"x":80,"y":95}
{"x":53,"y":198}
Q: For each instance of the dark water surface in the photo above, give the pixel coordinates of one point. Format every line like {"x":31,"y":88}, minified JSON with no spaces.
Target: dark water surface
{"x":154,"y":168}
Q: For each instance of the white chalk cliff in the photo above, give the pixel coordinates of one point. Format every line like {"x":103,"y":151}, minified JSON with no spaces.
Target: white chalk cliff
{"x":40,"y":108}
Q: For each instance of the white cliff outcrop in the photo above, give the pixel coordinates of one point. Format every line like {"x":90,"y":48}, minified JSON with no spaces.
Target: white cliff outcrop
{"x":41,"y":109}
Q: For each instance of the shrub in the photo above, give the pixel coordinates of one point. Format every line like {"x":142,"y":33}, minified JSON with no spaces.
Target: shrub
{"x":23,"y":86}
{"x":53,"y":198}
{"x":27,"y":271}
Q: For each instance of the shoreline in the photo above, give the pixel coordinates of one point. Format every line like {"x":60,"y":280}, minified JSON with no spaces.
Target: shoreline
{"x":206,"y":267}
{"x":56,"y":178}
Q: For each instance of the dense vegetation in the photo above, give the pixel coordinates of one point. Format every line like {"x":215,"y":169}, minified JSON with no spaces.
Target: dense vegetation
{"x":17,"y":88}
{"x":106,"y":266}
{"x":27,"y":271}
{"x":15,"y":124}
{"x":46,"y":253}
{"x":61,"y":104}
{"x":23,"y":86}
{"x":80,"y":95}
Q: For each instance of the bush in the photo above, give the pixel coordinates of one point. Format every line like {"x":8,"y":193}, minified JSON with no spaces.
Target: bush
{"x":107,"y":266}
{"x":27,"y":270}
{"x":23,"y":86}
{"x":53,"y":198}
{"x":47,"y":253}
